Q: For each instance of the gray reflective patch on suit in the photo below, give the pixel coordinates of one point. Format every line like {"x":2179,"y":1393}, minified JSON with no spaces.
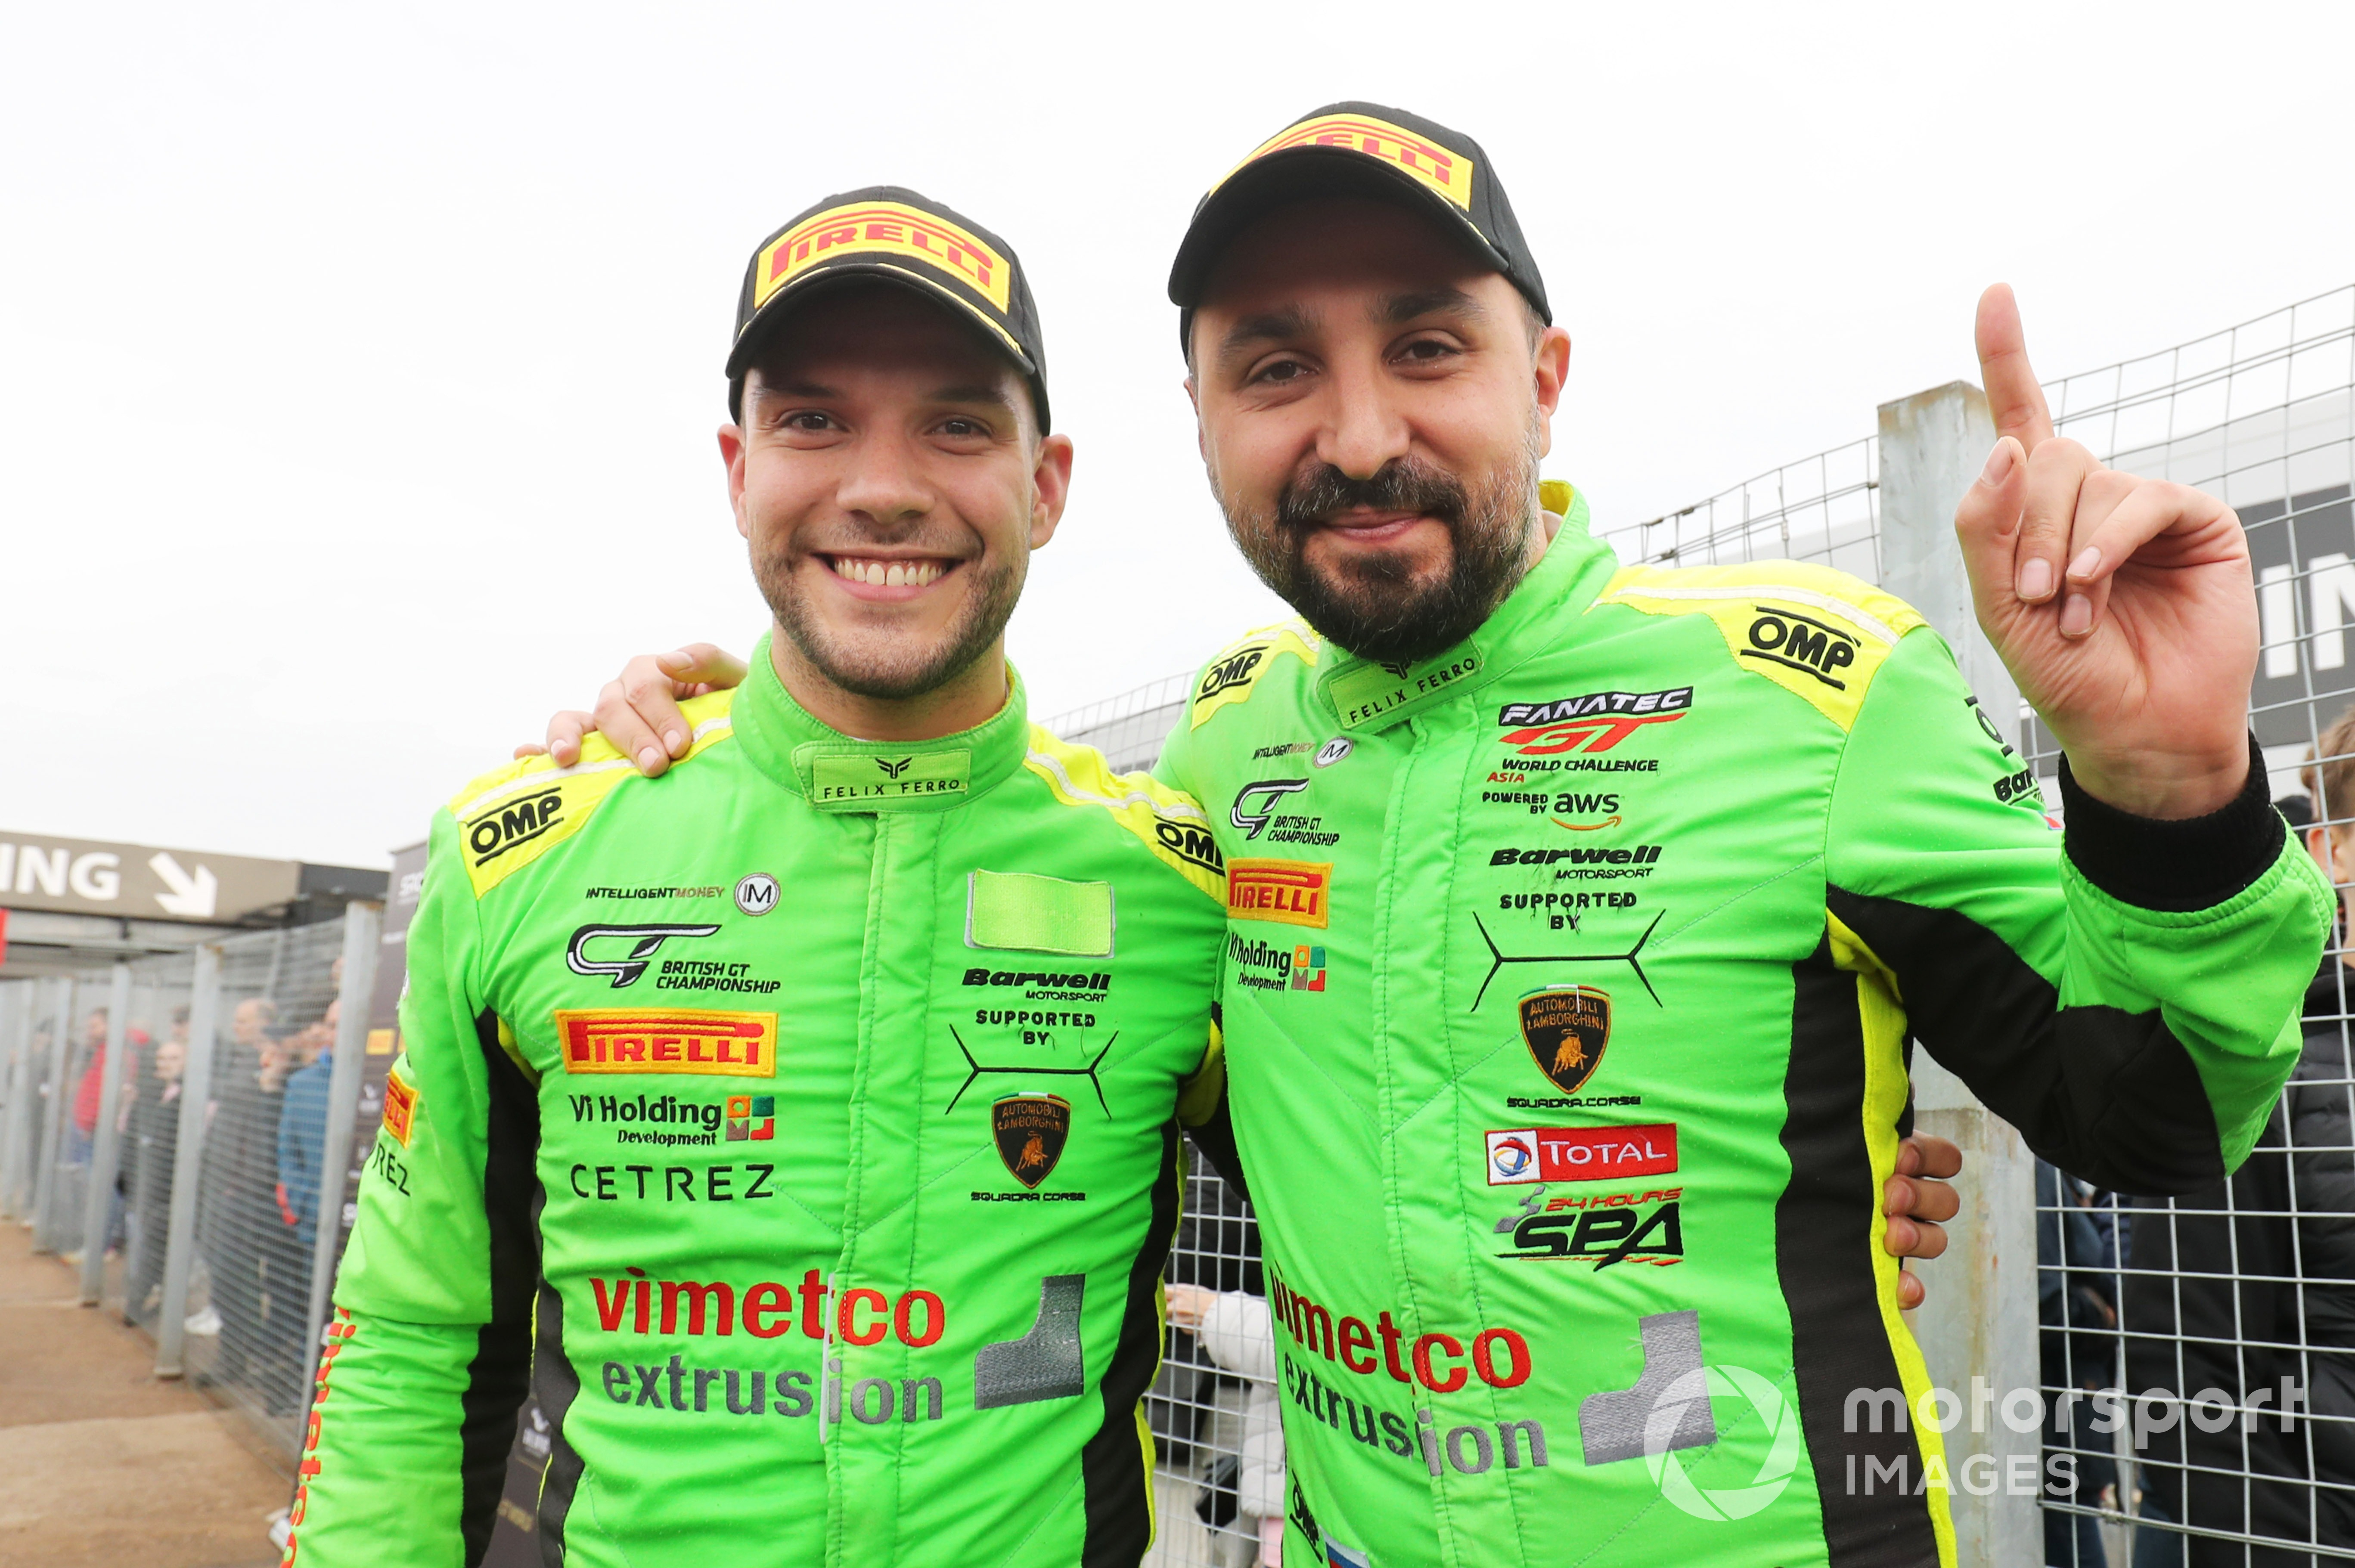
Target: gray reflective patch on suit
{"x":1045,"y":1363}
{"x":1611,"y":1425}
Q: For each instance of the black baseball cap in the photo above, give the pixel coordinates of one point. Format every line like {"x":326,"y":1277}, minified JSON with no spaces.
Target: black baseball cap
{"x":1360,"y":149}
{"x":890,"y":232}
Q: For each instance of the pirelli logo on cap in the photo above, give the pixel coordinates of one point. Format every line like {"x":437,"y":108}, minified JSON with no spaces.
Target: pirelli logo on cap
{"x":1448,"y":172}
{"x":886,"y":228}
{"x":400,"y":1108}
{"x":1296,"y":893}
{"x":668,"y":1039}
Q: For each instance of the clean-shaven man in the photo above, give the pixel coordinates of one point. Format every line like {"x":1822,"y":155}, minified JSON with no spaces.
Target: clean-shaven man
{"x":1629,"y":891}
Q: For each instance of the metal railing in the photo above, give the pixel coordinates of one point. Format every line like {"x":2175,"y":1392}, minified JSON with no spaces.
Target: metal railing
{"x":177,"y":1128}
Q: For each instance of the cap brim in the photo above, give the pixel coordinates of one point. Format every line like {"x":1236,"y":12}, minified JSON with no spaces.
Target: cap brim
{"x":1302,"y":174}
{"x":762,"y":330}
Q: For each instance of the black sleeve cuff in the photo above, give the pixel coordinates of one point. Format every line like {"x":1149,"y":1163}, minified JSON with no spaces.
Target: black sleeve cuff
{"x":2193,"y":864}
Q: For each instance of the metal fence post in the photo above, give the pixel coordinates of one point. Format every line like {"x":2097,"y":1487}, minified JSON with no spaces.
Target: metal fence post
{"x":45,"y":1179}
{"x":187,"y":1159}
{"x":362,"y":923}
{"x":106,"y":1144}
{"x":1978,"y":1329}
{"x":15,"y":1150}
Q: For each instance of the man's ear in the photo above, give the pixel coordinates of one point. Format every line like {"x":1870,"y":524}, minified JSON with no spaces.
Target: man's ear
{"x":1051,"y":484}
{"x":1551,"y":369}
{"x":731,"y":454}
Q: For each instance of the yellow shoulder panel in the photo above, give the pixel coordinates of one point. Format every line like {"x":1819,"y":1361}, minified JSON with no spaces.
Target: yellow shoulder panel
{"x":1171,"y":824}
{"x":512,"y":816}
{"x":1815,"y":632}
{"x":1232,"y":676}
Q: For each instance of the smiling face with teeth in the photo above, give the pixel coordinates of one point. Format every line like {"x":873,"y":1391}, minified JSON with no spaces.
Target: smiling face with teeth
{"x":891,"y":482}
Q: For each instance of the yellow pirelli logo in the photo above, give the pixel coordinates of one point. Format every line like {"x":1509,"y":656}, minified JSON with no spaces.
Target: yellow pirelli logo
{"x":668,"y":1039}
{"x":1448,"y":172}
{"x":884,"y":228}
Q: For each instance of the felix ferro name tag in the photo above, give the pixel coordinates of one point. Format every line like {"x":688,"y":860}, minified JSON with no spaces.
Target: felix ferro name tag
{"x":867,"y":782}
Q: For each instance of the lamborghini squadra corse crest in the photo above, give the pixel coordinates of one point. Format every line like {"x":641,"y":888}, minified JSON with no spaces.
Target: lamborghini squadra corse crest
{"x":1566,"y":1027}
{"x":1031,"y":1130}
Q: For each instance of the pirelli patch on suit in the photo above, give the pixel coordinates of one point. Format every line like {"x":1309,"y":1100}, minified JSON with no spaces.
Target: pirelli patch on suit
{"x":1296,"y":893}
{"x":400,"y":1108}
{"x":668,"y":1039}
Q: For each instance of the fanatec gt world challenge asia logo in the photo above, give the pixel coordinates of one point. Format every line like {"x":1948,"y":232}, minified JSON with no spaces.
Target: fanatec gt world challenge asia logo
{"x":1593,"y":722}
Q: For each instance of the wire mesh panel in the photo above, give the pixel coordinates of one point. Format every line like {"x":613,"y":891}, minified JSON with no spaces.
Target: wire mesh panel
{"x":73,"y":1121}
{"x":150,"y":1131}
{"x":1822,"y":509}
{"x":259,"y":1182}
{"x":1213,"y":1407}
{"x":2208,"y":1343}
{"x":1128,"y":728}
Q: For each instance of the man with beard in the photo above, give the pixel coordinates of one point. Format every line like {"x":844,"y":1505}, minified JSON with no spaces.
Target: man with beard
{"x":1570,"y":944}
{"x":803,"y":1123}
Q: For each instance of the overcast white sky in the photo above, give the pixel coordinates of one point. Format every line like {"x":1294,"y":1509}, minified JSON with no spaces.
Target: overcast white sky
{"x":359,"y":366}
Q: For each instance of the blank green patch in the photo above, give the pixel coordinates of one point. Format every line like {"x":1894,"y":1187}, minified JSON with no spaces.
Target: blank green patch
{"x":1038,"y":915}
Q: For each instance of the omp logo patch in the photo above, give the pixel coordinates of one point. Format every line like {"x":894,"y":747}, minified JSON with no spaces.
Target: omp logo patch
{"x":1235,"y":672}
{"x":668,"y":1039}
{"x":1447,"y":173}
{"x":887,"y":227}
{"x":400,"y":1108}
{"x":1801,"y":642}
{"x":1296,"y":893}
{"x":512,"y":823}
{"x":1817,"y":633}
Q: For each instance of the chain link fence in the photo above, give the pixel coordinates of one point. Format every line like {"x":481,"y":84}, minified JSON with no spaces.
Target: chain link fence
{"x":188,"y":1182}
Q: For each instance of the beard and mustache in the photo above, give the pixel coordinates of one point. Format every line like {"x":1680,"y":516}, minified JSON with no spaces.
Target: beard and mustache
{"x":1383,"y":609}
{"x":891,"y":665}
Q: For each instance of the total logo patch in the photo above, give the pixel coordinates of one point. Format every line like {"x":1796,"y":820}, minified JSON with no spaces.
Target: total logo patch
{"x":1525,"y":1154}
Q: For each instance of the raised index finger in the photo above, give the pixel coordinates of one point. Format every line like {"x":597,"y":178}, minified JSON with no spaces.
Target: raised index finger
{"x":2014,"y":398}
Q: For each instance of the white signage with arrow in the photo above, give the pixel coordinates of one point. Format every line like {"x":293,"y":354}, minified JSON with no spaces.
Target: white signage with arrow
{"x":135,"y":882}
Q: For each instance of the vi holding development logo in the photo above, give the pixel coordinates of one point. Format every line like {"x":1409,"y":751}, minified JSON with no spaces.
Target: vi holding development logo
{"x":751,"y":1118}
{"x":1307,"y":968}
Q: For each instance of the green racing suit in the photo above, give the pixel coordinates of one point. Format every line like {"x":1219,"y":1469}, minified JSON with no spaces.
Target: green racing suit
{"x":1571,"y":981}
{"x":805,"y":1124}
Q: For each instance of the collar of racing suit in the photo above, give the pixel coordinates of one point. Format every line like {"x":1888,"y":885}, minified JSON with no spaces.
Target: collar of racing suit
{"x":1367,"y":696}
{"x":837,"y":772}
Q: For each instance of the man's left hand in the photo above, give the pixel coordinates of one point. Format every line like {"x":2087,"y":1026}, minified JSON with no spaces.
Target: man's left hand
{"x":1914,"y":1202}
{"x":2123,"y":607}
